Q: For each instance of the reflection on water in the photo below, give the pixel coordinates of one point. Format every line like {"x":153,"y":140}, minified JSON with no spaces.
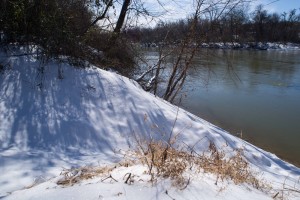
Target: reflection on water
{"x":262,"y":101}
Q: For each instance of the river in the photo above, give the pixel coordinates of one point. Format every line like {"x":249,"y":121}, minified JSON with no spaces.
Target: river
{"x":252,"y":94}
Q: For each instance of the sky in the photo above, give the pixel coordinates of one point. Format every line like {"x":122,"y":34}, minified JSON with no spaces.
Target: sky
{"x":173,"y":10}
{"x":178,"y":9}
{"x":279,"y":6}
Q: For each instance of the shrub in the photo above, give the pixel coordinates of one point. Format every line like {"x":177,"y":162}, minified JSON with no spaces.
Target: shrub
{"x":59,"y":27}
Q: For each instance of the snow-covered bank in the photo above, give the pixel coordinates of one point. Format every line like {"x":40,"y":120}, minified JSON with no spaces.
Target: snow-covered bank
{"x":252,"y":45}
{"x":238,"y":45}
{"x":56,"y":116}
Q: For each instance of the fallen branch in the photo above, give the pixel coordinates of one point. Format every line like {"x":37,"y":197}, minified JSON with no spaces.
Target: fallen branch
{"x":155,"y":67}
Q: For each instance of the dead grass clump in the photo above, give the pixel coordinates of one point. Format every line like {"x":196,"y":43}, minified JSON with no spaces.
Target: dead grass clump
{"x":165,"y":161}
{"x":235,"y":168}
{"x":72,"y":176}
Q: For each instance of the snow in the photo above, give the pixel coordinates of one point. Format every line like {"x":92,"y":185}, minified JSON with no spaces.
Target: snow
{"x":140,"y":189}
{"x":252,"y":45}
{"x":87,"y":118}
{"x":246,"y":45}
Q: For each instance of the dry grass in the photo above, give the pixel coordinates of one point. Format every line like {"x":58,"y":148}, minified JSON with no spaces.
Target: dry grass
{"x":165,"y":161}
{"x":235,"y":168}
{"x":72,"y":176}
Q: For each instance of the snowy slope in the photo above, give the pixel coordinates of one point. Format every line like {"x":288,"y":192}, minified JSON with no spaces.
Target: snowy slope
{"x":48,"y":123}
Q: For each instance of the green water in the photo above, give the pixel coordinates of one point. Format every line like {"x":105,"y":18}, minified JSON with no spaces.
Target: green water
{"x":256,"y":94}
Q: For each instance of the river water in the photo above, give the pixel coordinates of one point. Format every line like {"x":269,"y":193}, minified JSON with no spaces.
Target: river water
{"x":252,"y":94}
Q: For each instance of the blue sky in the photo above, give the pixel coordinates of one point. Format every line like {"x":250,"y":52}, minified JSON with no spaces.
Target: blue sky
{"x":279,"y":5}
{"x":179,"y":9}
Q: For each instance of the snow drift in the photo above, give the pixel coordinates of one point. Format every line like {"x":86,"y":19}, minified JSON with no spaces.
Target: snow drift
{"x":55,"y":115}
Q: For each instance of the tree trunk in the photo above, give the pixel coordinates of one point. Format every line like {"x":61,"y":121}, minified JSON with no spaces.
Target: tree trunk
{"x":120,"y":22}
{"x":113,"y":39}
{"x":122,"y":16}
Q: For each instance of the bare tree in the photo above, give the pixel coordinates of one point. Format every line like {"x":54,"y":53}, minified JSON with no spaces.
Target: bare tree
{"x":101,"y":9}
{"x":188,"y":46}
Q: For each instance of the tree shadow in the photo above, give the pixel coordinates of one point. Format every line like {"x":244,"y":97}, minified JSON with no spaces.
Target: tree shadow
{"x":47,"y":119}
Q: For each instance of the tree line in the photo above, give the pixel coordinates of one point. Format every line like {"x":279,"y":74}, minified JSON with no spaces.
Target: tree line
{"x":237,"y":25}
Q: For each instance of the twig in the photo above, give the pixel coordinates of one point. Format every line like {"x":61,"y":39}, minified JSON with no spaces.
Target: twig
{"x":108,"y":178}
{"x":292,"y":190}
{"x":171,"y":133}
{"x":188,"y":182}
{"x":275,"y":195}
{"x":169,"y":195}
{"x":128,"y":178}
{"x":192,"y":147}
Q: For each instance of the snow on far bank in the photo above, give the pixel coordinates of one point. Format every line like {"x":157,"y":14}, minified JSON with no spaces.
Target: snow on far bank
{"x":246,"y":45}
{"x":56,"y":116}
